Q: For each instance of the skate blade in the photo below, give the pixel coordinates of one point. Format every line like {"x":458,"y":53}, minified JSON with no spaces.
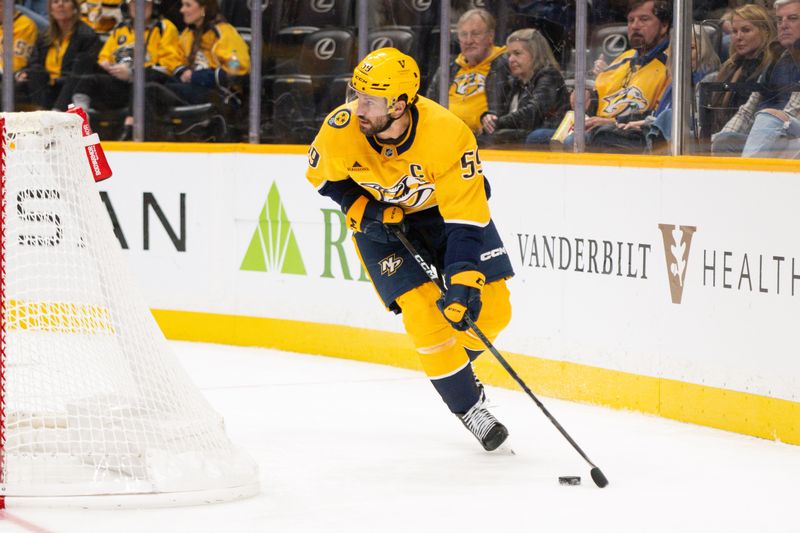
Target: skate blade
{"x":503,"y":449}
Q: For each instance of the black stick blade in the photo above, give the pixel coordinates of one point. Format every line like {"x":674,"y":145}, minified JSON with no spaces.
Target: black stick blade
{"x":599,"y":478}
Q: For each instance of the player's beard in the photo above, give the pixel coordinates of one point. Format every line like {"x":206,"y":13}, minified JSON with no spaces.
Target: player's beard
{"x":375,"y":126}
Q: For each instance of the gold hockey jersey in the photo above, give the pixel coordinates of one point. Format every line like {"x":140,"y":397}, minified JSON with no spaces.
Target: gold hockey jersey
{"x":632,"y":85}
{"x":161,"y":42}
{"x":436,"y":164}
{"x":221,"y":46}
{"x":25,"y":34}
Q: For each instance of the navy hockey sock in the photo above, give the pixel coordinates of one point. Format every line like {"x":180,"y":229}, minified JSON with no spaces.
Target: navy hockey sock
{"x":459,"y":391}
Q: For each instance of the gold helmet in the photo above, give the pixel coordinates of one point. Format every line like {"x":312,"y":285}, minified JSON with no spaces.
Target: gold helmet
{"x":388,"y":73}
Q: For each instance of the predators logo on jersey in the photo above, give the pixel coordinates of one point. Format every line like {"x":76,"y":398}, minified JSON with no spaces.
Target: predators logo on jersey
{"x":433,"y":165}
{"x":470,"y":83}
{"x":625,"y":101}
{"x":410,"y":191}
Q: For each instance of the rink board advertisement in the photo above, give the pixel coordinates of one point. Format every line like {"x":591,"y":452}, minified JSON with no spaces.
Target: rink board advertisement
{"x":682,"y":275}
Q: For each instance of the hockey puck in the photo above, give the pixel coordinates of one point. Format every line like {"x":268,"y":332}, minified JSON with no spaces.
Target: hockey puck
{"x":569,"y":480}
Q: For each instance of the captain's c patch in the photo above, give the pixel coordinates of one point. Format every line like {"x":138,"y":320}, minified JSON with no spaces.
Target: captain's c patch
{"x":340,"y":119}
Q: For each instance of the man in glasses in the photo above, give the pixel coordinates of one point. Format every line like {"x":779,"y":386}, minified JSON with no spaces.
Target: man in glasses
{"x":478,"y":73}
{"x":389,"y":157}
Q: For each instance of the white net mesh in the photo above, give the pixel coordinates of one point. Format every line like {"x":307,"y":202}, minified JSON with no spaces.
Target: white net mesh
{"x":95,"y":401}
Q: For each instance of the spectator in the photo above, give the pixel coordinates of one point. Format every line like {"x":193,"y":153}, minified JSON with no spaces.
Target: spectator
{"x":478,"y":73}
{"x":108,"y":84}
{"x":68,"y":42}
{"x":537,"y":96}
{"x":215,"y":57}
{"x":101,"y":15}
{"x":24,"y":32}
{"x":631,"y":86}
{"x":767,"y":124}
{"x":751,"y":51}
{"x":213,"y":51}
{"x":658,"y":126}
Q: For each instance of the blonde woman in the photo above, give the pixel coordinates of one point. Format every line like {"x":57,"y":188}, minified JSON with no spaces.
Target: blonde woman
{"x":68,"y":43}
{"x":536,"y":97}
{"x":751,"y":51}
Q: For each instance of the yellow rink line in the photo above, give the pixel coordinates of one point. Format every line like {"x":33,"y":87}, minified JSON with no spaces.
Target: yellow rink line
{"x":740,"y":412}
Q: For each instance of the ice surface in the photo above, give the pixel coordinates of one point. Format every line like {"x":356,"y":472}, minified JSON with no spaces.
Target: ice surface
{"x":353,"y":447}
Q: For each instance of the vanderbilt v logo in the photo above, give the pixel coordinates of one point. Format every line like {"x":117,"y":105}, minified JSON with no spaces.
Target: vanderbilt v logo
{"x":677,"y":243}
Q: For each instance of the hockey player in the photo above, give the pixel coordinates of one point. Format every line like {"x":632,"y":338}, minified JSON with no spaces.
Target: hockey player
{"x":391,"y":157}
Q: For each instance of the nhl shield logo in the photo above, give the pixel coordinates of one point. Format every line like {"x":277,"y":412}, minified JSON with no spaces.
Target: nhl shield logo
{"x":388,"y":152}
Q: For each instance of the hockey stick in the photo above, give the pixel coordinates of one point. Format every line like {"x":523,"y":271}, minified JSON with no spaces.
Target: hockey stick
{"x":597,"y":475}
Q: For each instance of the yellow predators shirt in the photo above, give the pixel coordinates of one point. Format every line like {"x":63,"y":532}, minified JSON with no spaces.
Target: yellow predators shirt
{"x":25,"y":34}
{"x":161,"y":41}
{"x":221,"y":46}
{"x":55,"y":57}
{"x":435,"y":165}
{"x":467,"y":96}
{"x":626,"y":88}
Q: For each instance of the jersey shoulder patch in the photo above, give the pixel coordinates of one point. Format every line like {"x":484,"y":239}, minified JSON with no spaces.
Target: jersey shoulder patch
{"x":340,"y":118}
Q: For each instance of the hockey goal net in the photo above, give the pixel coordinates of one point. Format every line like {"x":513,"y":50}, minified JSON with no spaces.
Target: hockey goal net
{"x":94,"y":402}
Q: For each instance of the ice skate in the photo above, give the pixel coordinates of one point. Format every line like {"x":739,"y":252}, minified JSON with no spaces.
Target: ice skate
{"x":481,"y":423}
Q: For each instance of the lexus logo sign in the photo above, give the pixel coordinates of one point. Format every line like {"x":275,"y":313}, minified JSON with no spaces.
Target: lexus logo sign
{"x":322,"y":6}
{"x":381,"y":42}
{"x":325,"y":48}
{"x":615,"y":44}
{"x":421,"y":5}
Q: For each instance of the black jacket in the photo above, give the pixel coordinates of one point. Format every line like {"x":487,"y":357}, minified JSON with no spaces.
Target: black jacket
{"x":542,"y":102}
{"x":84,"y":46}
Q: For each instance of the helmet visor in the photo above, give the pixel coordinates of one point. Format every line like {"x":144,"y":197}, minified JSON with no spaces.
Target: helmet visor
{"x":368,"y":101}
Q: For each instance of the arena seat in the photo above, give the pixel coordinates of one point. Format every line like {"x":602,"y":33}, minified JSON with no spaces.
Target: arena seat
{"x":297,"y":103}
{"x":401,"y":37}
{"x":609,"y":40}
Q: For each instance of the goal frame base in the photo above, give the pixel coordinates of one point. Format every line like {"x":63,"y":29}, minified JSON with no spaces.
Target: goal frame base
{"x":133,"y":501}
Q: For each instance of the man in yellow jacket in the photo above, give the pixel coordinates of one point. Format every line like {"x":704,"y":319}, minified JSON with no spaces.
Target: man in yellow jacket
{"x":25,"y":34}
{"x":478,"y":73}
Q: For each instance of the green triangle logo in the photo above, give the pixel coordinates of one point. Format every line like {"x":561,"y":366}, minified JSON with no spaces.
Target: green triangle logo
{"x":273,"y":247}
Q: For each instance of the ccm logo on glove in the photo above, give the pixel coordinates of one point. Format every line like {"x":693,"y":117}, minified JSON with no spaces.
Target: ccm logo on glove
{"x":463,"y":296}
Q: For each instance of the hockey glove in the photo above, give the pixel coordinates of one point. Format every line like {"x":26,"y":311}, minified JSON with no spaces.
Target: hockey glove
{"x":371,"y":217}
{"x":463,"y":295}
